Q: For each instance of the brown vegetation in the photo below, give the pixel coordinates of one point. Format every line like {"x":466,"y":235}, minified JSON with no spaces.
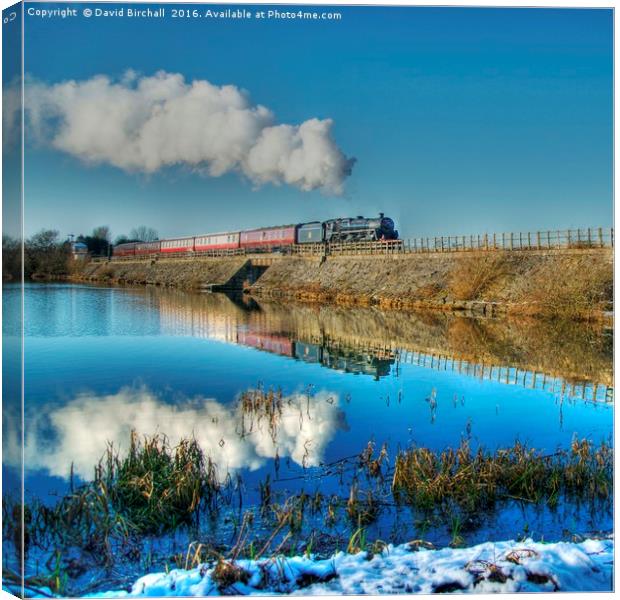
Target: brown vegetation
{"x":581,"y":289}
{"x":471,"y":277}
{"x":157,"y":488}
{"x":574,"y":283}
{"x":476,"y":480}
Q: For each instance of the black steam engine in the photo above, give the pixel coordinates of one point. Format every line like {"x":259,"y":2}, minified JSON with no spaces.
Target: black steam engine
{"x":360,"y":229}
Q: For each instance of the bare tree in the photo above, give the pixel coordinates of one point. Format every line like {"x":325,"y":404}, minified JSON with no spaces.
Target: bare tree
{"x":45,"y":255}
{"x":102,"y":233}
{"x":144,"y":234}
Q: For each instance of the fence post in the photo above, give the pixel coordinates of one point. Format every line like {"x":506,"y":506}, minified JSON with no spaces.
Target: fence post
{"x":569,"y":240}
{"x":600,"y":237}
{"x":589,"y":237}
{"x":503,"y":241}
{"x":511,"y":240}
{"x":559,"y":244}
{"x":548,"y":239}
{"x":520,"y":241}
{"x":538,"y":240}
{"x":529,"y":241}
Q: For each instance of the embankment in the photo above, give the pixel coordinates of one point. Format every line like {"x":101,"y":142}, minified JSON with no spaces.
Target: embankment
{"x":184,"y":274}
{"x":570,"y":283}
{"x":575,"y":283}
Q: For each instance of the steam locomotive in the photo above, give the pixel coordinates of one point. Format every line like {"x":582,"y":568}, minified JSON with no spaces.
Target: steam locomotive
{"x":343,"y":230}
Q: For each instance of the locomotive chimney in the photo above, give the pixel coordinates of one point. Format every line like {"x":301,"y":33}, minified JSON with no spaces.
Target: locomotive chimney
{"x":381,"y":215}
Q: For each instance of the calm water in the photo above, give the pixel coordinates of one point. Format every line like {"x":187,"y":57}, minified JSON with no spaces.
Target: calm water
{"x":101,"y":361}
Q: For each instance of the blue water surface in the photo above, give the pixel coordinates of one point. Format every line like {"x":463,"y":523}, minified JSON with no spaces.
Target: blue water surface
{"x":101,"y":361}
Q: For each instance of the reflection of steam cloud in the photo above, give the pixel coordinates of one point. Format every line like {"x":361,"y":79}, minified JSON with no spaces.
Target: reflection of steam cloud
{"x":82,"y":429}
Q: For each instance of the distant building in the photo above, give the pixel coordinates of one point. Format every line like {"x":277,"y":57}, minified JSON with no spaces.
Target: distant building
{"x":79,"y":250}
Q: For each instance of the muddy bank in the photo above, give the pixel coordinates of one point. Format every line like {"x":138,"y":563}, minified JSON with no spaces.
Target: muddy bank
{"x":571,"y":283}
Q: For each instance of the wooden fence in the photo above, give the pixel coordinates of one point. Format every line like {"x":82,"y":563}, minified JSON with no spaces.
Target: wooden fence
{"x":523,"y":241}
{"x":537,"y":240}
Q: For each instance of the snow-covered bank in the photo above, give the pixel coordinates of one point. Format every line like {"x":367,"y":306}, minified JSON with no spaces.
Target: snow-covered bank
{"x":489,"y":567}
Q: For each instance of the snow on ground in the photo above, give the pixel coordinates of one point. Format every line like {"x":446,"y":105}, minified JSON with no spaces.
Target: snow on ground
{"x":490,"y":567}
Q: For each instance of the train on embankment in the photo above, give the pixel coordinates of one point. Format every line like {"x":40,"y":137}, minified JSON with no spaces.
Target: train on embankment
{"x":270,"y":239}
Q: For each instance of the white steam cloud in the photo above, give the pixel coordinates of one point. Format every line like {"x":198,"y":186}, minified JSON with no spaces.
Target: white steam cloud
{"x":148,"y":123}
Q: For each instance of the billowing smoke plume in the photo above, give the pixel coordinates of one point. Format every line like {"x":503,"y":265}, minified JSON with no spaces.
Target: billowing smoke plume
{"x":146,"y":123}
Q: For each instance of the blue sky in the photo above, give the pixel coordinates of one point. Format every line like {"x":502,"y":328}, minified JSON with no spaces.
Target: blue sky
{"x":462,"y":120}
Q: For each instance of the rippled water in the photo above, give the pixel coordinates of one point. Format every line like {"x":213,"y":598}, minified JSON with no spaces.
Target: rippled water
{"x":102,"y":361}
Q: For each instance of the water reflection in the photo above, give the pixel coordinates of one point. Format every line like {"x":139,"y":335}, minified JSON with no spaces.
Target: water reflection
{"x":242,"y":436}
{"x":573,"y":359}
{"x":177,"y":363}
{"x":101,"y":361}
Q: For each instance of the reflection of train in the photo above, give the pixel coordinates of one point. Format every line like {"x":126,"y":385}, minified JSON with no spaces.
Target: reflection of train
{"x":344,"y":230}
{"x":347,"y":360}
{"x":340,"y":359}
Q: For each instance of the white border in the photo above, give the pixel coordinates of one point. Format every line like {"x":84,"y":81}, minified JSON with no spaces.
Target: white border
{"x":479,"y":3}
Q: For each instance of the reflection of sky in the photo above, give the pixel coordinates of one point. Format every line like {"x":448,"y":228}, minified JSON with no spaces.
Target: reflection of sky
{"x":90,"y":383}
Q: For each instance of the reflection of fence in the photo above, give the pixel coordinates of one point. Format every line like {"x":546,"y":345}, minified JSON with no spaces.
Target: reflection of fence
{"x":574,"y":239}
{"x":582,"y":390}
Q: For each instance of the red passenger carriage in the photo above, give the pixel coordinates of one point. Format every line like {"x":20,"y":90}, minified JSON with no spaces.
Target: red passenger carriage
{"x":268,"y":238}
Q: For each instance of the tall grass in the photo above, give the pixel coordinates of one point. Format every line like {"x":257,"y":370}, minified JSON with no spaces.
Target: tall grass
{"x":158,"y":487}
{"x":473,"y":481}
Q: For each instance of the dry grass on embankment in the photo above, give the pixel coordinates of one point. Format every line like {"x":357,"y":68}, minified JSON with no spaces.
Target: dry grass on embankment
{"x":186,"y":274}
{"x":558,"y":283}
{"x":572,"y":283}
